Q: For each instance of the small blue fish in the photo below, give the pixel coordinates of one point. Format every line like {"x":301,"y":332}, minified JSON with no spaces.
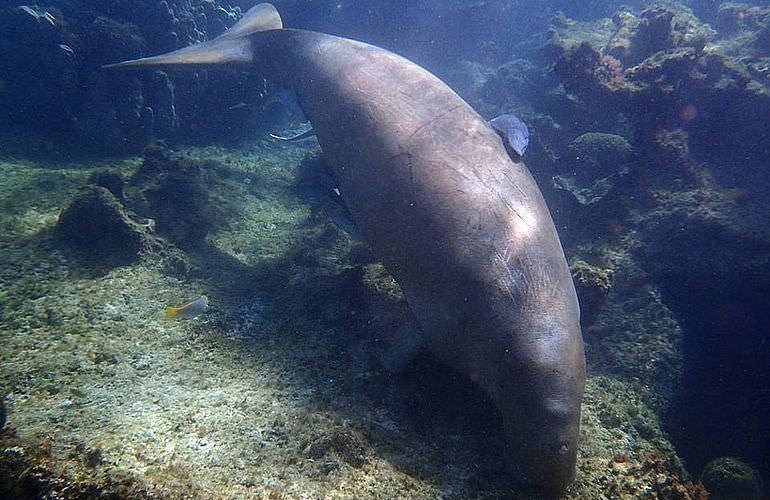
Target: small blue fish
{"x":514,"y":132}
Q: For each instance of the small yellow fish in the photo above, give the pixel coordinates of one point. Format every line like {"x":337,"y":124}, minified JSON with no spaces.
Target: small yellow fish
{"x":190,"y":310}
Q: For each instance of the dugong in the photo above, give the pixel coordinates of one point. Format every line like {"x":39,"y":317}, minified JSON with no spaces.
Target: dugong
{"x":461,"y":226}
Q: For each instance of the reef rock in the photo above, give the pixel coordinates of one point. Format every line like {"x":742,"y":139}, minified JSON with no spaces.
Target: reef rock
{"x":101,"y":232}
{"x":665,"y":69}
{"x":597,"y":160}
{"x":706,"y":248}
{"x":52,"y":85}
{"x":172,"y":189}
{"x":746,"y":37}
{"x":656,"y":29}
{"x":694,"y":206}
{"x":98,"y":226}
{"x":592,"y":284}
{"x":729,"y":478}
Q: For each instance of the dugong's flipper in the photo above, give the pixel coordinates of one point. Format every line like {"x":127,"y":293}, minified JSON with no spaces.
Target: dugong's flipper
{"x":404,"y":344}
{"x":298,"y":136}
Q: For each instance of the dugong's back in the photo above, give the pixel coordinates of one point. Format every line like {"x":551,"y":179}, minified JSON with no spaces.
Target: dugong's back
{"x":415,"y":162}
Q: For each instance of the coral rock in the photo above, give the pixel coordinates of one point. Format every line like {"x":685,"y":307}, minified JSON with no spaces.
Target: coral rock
{"x":728,"y":478}
{"x":100,"y":228}
{"x":592,"y":284}
{"x":598,"y":160}
{"x":172,"y":189}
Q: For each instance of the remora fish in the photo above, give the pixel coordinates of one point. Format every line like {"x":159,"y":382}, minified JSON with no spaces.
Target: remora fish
{"x":514,"y":132}
{"x":461,"y":226}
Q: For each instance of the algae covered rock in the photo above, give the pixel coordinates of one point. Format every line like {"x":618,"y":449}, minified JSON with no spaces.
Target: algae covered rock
{"x":172,"y":190}
{"x":659,"y":28}
{"x":99,"y":230}
{"x":663,"y":68}
{"x":597,"y":160}
{"x":729,"y":478}
{"x":737,"y":18}
{"x":98,"y":226}
{"x":592,"y":284}
{"x":338,"y":444}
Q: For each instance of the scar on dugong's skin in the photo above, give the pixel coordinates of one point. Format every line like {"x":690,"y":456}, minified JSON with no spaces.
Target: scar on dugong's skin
{"x":461,"y":226}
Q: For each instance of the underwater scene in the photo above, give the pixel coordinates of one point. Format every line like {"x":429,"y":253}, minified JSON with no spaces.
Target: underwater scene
{"x":384,"y":249}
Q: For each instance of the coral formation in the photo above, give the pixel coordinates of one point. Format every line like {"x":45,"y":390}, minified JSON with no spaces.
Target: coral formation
{"x":592,"y":284}
{"x":98,"y":230}
{"x":601,"y":151}
{"x":689,"y":210}
{"x":667,"y":70}
{"x":729,"y":478}
{"x":101,"y":225}
{"x":53,"y":87}
{"x":597,"y":160}
{"x":97,"y":225}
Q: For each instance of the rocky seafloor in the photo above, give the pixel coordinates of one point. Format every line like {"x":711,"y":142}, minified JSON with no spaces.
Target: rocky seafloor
{"x":276,"y":391}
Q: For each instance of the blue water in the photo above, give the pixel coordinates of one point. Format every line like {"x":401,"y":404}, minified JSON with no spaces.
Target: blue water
{"x":686,"y":87}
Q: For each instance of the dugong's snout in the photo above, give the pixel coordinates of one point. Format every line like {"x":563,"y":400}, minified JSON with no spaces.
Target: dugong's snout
{"x":542,"y":452}
{"x":538,"y":388}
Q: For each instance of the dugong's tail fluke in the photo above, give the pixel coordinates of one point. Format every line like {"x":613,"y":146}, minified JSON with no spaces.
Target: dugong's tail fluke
{"x":231,"y":47}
